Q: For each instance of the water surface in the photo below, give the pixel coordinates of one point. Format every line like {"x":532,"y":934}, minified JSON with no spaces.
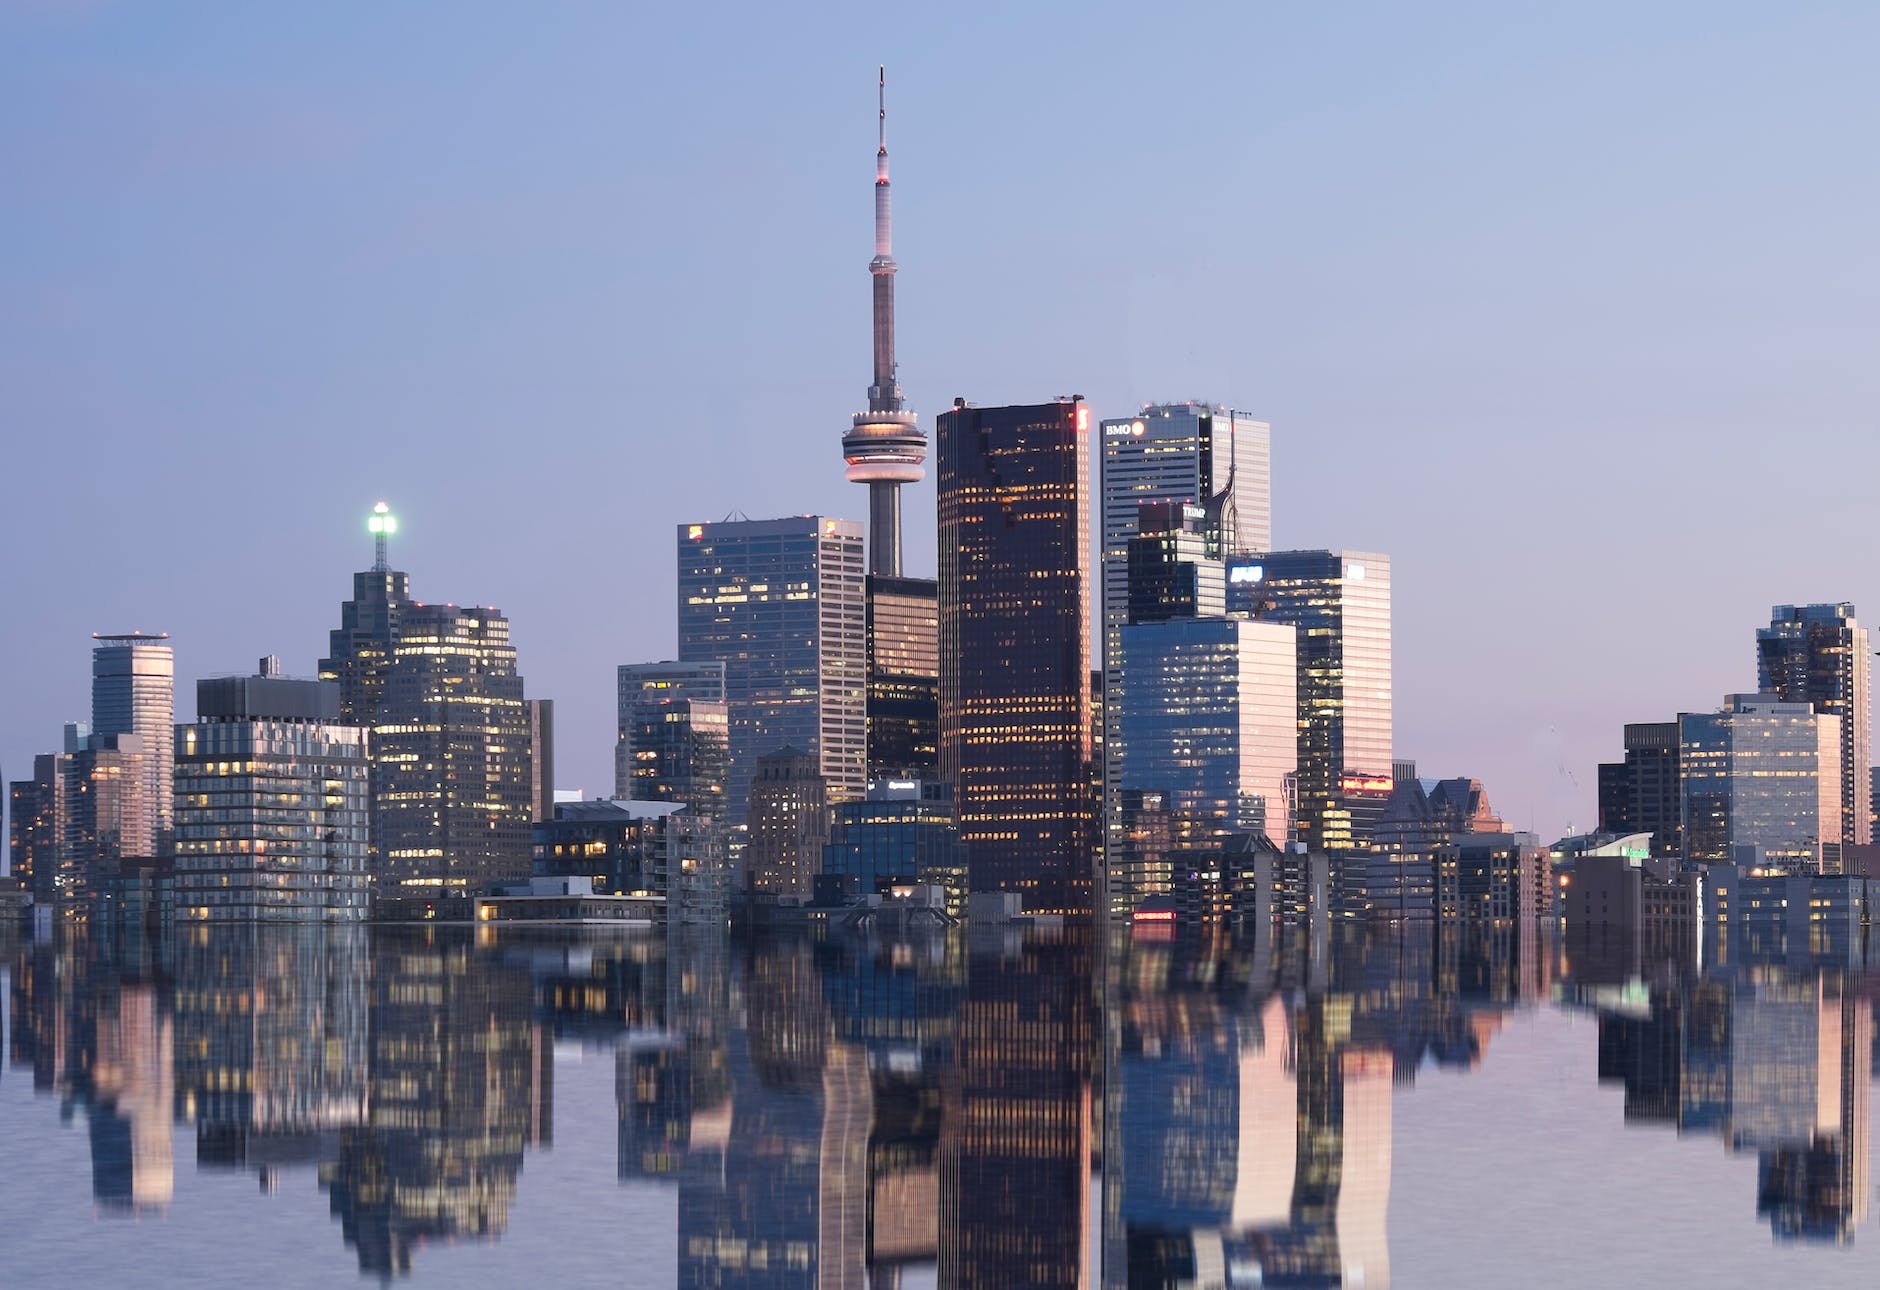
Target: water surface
{"x":993,"y":1108}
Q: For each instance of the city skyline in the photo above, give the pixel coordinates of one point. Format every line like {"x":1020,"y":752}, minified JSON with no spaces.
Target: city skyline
{"x":1535,"y":371}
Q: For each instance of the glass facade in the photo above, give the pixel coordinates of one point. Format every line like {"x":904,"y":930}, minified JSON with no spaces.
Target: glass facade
{"x":1209,"y":723}
{"x":903,"y":677}
{"x":452,"y":744}
{"x":133,"y":692}
{"x":903,"y":833}
{"x":33,"y":824}
{"x":1820,"y":655}
{"x":451,"y":752}
{"x":1644,"y":793}
{"x":1761,"y":773}
{"x":272,"y":814}
{"x":104,"y":813}
{"x":781,"y":604}
{"x":1015,"y":701}
{"x":1209,"y":457}
{"x":1339,"y":602}
{"x":674,"y":743}
{"x":618,"y":846}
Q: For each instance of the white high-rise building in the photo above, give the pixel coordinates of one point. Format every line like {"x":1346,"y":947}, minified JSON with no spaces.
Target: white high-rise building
{"x":133,"y":692}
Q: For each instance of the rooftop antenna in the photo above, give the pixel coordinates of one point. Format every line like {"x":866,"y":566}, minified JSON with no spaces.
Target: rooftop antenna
{"x":381,"y":524}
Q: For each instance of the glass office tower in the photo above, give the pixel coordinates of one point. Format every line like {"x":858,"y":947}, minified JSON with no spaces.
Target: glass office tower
{"x":133,"y":692}
{"x":1199,"y":454}
{"x":272,"y":804}
{"x":781,"y":604}
{"x":1820,"y":655}
{"x":903,"y":677}
{"x":1339,"y":603}
{"x":1015,"y":702}
{"x":1643,"y":793}
{"x":1762,"y":780}
{"x":1209,"y":719}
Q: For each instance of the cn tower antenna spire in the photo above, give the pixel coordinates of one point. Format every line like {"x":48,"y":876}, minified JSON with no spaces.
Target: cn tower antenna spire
{"x":884,"y":447}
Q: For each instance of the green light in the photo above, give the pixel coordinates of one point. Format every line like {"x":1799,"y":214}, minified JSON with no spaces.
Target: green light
{"x":382,"y":521}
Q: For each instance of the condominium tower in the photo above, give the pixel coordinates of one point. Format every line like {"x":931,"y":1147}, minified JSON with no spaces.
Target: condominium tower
{"x":272,"y":803}
{"x":133,"y":692}
{"x":1820,"y":655}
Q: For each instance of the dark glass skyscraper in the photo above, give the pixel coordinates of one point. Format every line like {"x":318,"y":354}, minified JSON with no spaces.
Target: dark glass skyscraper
{"x":1819,"y":654}
{"x":33,"y":824}
{"x":1645,"y":793}
{"x":903,"y":677}
{"x":1014,"y":592}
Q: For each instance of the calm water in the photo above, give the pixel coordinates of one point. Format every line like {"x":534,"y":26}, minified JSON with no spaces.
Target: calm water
{"x":998,"y":1110}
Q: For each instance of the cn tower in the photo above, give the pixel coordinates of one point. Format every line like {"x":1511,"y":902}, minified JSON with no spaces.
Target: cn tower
{"x":885,"y":446}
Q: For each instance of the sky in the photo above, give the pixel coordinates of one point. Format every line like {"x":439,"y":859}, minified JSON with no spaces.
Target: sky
{"x":1568,"y":309}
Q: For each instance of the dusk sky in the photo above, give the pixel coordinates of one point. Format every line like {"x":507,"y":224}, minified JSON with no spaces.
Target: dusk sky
{"x":1569,"y":309}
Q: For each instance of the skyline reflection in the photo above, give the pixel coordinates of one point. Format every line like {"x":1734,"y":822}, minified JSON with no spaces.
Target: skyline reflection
{"x":955,"y":1107}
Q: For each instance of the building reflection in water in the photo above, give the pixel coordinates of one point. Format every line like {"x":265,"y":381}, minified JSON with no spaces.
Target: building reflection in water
{"x":836,"y":1108}
{"x":1249,"y":1093}
{"x":1015,"y":1137}
{"x":1774,"y":1059}
{"x":452,"y":1099}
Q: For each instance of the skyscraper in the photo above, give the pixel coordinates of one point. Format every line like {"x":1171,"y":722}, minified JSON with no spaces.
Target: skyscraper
{"x":104,"y":812}
{"x":1820,"y":655}
{"x":541,"y":758}
{"x":451,"y":756}
{"x":1763,"y":775}
{"x":1186,"y":454}
{"x":273,"y":803}
{"x":789,"y":824}
{"x":1644,"y":793}
{"x":133,"y":692}
{"x":33,"y":823}
{"x":1015,"y":702}
{"x":1209,"y":719}
{"x":674,"y":735}
{"x":1204,"y":711}
{"x":903,"y":677}
{"x":1206,"y":456}
{"x":450,"y":742}
{"x":360,"y":650}
{"x":1339,"y":602}
{"x":781,"y":604}
{"x":884,"y":446}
